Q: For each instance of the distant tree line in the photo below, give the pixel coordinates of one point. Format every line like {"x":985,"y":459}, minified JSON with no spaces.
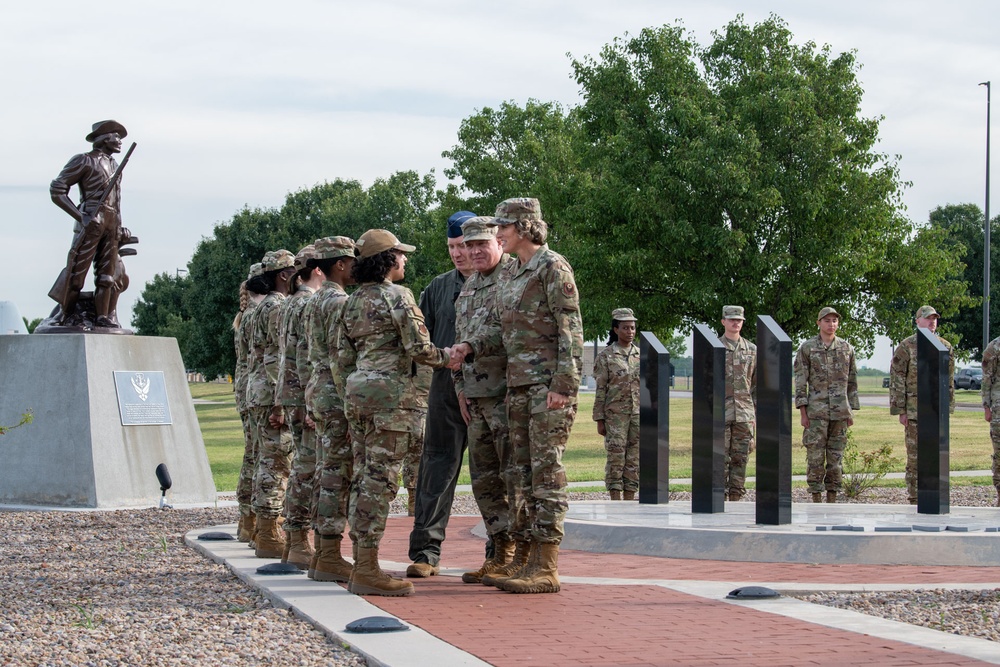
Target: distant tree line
{"x":689,"y":177}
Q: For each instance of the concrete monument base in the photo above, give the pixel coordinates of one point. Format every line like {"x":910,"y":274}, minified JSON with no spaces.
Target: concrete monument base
{"x":836,"y":533}
{"x":78,"y":452}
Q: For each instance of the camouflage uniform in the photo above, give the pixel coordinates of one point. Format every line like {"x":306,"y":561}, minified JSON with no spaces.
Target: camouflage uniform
{"x":483,"y":382}
{"x":410,"y":471}
{"x":903,"y":400}
{"x":616,"y":403}
{"x":334,"y":456}
{"x":244,"y":486}
{"x":826,"y":384}
{"x":741,"y":392}
{"x":274,"y":445}
{"x":380,"y":337}
{"x":991,"y":399}
{"x":538,"y":322}
{"x":293,"y":377}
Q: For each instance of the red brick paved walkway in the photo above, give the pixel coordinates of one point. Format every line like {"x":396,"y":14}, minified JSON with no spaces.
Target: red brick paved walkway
{"x":590,"y":624}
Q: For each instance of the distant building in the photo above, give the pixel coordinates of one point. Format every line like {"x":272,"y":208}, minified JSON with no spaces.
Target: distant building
{"x":11,"y":321}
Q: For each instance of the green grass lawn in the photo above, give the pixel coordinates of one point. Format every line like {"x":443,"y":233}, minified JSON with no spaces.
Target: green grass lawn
{"x":584,"y":458}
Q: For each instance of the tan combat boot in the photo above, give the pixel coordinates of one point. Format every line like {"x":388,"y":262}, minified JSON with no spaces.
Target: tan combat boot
{"x":247,"y":526}
{"x":422,"y":570}
{"x":628,"y":495}
{"x":543,"y":577}
{"x":831,"y":496}
{"x":520,"y":559}
{"x":269,"y":542}
{"x":300,"y":550}
{"x":615,"y":494}
{"x":311,"y":573}
{"x":734,"y":495}
{"x":330,"y":565}
{"x":367,"y":578}
{"x":503,"y":553}
{"x":817,"y":497}
{"x":411,"y":501}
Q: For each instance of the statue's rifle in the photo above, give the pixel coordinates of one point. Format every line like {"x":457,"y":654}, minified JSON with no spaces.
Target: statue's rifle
{"x":115,"y":177}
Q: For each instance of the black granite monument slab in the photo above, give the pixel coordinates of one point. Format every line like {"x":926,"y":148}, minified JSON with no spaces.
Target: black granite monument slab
{"x":654,"y":420}
{"x":933,"y":436}
{"x":708,"y":448}
{"x":774,"y":423}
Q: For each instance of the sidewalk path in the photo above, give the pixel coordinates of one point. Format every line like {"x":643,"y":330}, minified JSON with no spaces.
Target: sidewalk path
{"x":642,"y":610}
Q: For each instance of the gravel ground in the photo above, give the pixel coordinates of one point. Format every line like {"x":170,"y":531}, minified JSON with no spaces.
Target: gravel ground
{"x":109,"y":589}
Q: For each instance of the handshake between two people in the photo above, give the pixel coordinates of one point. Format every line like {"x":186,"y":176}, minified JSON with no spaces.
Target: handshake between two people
{"x":457,"y":354}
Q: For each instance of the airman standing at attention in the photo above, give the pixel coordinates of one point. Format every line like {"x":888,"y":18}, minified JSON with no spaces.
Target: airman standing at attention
{"x":741,"y":400}
{"x":903,"y":390}
{"x":991,"y":403}
{"x":255,"y":292}
{"x":334,"y":452}
{"x":826,"y":390}
{"x":616,"y":405}
{"x":293,"y":376}
{"x":274,"y":443}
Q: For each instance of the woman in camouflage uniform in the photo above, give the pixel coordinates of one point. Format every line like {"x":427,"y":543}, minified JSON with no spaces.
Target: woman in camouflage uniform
{"x":273,"y":441}
{"x":381,"y":337}
{"x":616,"y":405}
{"x":251,"y":293}
{"x":537,"y":321}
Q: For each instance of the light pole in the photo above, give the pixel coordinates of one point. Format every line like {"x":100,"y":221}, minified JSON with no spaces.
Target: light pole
{"x":986,"y":230}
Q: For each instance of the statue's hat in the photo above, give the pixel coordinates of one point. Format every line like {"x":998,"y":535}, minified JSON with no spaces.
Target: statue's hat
{"x":106,"y":127}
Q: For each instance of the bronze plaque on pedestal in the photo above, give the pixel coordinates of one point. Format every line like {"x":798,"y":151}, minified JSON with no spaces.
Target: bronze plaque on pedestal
{"x":142,"y":398}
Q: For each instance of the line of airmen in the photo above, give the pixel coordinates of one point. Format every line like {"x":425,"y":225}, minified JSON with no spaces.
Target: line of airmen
{"x":826,"y":394}
{"x":332,"y":390}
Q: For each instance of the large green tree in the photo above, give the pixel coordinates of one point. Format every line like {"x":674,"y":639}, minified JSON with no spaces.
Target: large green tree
{"x":962,"y":225}
{"x":742,"y":172}
{"x":162,"y":310}
{"x":514,"y":151}
{"x":401,"y":203}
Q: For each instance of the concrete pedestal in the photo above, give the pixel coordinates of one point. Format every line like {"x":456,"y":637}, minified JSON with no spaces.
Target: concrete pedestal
{"x":77,"y":453}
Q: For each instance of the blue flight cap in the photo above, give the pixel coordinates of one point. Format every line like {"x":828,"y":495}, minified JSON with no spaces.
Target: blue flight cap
{"x":455,"y":223}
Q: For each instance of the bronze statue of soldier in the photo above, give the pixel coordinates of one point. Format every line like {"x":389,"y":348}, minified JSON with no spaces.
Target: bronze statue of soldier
{"x":97,"y":237}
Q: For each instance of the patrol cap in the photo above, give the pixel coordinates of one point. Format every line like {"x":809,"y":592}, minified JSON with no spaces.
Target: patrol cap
{"x":304,"y":255}
{"x":480,"y":228}
{"x":375,"y":241}
{"x":623,"y":315}
{"x":276,"y":260}
{"x":510,"y":211}
{"x":256,"y":269}
{"x":732,"y":313}
{"x":455,"y":222}
{"x":331,"y":247}
{"x":827,"y":311}
{"x":927,"y":311}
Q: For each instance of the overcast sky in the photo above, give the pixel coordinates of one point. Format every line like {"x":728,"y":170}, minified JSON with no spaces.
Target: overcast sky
{"x":237,"y":103}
